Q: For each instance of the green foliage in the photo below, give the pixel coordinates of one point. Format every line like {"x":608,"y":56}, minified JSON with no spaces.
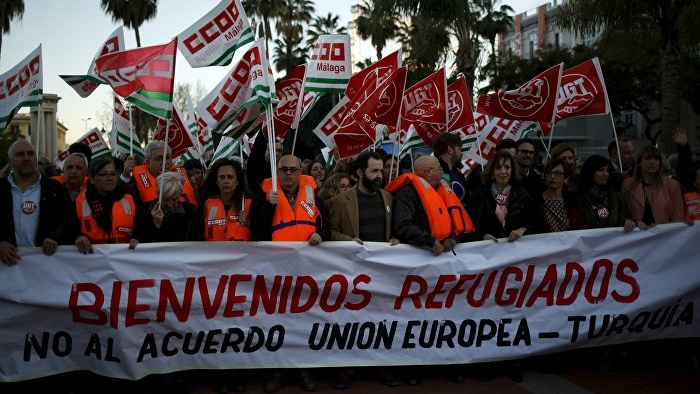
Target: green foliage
{"x":132,"y":13}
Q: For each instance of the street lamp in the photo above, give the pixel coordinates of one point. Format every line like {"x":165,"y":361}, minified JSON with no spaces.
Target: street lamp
{"x":85,"y":120}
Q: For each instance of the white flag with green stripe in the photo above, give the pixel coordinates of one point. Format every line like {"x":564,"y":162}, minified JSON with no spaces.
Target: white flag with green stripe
{"x":330,"y":67}
{"x":123,"y":141}
{"x":228,"y":148}
{"x":248,"y":83}
{"x":215,"y":37}
{"x":84,"y":85}
{"x":411,"y":141}
{"x":22,"y":86}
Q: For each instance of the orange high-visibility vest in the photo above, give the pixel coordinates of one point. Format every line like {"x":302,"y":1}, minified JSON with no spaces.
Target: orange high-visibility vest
{"x":146,"y":184}
{"x":123,"y":212}
{"x":446,"y":214}
{"x":224,"y":226}
{"x":298,"y":223}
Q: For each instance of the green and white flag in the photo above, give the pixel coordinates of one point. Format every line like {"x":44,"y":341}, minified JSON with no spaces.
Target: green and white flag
{"x":94,"y":140}
{"x":215,"y":37}
{"x":228,"y":148}
{"x":330,"y":67}
{"x":248,"y":83}
{"x":84,"y":85}
{"x":122,"y":140}
{"x":411,"y":141}
{"x":22,"y":86}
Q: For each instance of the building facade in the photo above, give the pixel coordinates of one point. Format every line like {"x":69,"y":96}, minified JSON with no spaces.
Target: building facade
{"x":51,"y":138}
{"x":535,"y":29}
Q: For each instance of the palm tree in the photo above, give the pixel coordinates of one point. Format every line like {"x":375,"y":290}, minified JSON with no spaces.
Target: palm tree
{"x":284,"y":60}
{"x":324,"y":25}
{"x":9,"y":10}
{"x":265,"y":10}
{"x":132,"y":13}
{"x":492,"y":23}
{"x":665,"y":18}
{"x":374,"y":25}
{"x":290,"y":26}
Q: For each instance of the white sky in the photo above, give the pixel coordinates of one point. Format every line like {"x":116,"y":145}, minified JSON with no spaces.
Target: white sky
{"x":71,"y":32}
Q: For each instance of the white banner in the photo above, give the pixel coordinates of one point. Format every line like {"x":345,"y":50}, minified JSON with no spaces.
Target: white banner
{"x":21,"y":86}
{"x":213,"y":39}
{"x":165,"y":307}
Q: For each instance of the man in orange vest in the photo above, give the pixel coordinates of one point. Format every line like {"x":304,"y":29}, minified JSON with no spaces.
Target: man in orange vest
{"x":142,"y":184}
{"x":293,"y":212}
{"x":426,"y":210}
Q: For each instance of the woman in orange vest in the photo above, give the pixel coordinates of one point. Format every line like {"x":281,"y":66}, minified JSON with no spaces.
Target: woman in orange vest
{"x":106,"y":212}
{"x":224,"y":214}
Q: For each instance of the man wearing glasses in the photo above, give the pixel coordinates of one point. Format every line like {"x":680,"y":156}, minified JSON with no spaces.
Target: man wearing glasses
{"x":530,"y":180}
{"x":293,"y":212}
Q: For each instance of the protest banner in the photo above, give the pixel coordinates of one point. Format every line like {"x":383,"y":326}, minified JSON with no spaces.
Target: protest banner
{"x":166,"y":307}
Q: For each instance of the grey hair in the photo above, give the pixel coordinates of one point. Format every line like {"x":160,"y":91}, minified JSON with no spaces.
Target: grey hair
{"x":170,"y":183}
{"x":156,"y":144}
{"x":78,"y":154}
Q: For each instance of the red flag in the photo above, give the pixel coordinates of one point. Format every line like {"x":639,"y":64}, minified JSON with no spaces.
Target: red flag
{"x":383,"y":105}
{"x":377,"y":72}
{"x":581,"y":92}
{"x":179,"y":139}
{"x":143,"y":76}
{"x":351,"y":138}
{"x":536,"y":100}
{"x":459,"y":107}
{"x":425,"y":107}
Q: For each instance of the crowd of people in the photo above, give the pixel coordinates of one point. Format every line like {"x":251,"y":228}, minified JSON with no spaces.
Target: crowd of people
{"x":370,"y":198}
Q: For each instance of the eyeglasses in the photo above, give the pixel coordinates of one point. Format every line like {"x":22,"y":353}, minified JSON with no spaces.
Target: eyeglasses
{"x":555,"y":174}
{"x":106,"y":174}
{"x":527,"y":152}
{"x":288,"y":170}
{"x":343,"y":186}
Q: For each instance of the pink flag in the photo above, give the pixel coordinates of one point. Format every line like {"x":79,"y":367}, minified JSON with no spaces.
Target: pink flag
{"x":535,"y":100}
{"x":143,"y":76}
{"x":425,"y":107}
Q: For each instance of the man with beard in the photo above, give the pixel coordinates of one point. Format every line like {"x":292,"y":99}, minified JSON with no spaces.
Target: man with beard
{"x":363,"y":212}
{"x":529,"y":178}
{"x":447,"y":148}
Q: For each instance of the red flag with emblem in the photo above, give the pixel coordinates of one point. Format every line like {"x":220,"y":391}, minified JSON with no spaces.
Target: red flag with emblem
{"x":582,"y":92}
{"x":179,"y":139}
{"x":536,"y":100}
{"x":459,"y":107}
{"x":357,"y":131}
{"x":377,"y":72}
{"x":425,"y":107}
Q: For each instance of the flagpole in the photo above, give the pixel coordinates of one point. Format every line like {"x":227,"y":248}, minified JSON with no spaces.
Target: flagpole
{"x":398,"y":132}
{"x":131,"y":132}
{"x":617,"y":142}
{"x":481,"y":156}
{"x":165,"y":154}
{"x":554,"y":113}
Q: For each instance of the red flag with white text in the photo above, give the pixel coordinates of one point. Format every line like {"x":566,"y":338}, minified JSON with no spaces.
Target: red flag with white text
{"x":143,"y":76}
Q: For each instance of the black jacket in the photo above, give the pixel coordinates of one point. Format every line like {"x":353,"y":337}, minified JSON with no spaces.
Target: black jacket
{"x":176,"y":227}
{"x":58,"y":218}
{"x":520,"y":214}
{"x":410,"y":221}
